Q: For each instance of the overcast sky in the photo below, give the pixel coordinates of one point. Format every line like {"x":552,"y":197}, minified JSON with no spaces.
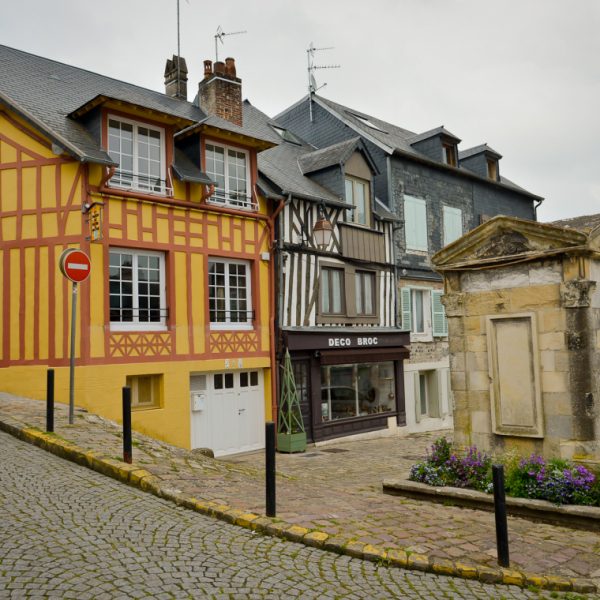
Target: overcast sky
{"x":520,"y":75}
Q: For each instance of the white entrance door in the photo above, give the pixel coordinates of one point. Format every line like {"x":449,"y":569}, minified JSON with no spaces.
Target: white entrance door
{"x":228,"y":411}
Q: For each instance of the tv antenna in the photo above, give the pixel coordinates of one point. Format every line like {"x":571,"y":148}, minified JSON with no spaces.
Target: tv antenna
{"x":312,"y":82}
{"x":219,"y":38}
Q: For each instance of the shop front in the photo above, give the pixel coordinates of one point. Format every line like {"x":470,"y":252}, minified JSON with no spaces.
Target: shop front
{"x":348,"y":383}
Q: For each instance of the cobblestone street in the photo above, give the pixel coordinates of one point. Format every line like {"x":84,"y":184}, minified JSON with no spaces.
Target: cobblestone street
{"x":68,"y":532}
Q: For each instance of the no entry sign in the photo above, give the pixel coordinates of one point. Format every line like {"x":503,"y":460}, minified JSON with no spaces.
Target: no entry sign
{"x":75,"y":265}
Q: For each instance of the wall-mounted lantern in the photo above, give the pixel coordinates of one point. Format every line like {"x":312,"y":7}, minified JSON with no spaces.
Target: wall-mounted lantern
{"x":322,"y":231}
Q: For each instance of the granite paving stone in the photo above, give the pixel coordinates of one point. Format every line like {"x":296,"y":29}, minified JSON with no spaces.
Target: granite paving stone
{"x":338,"y":493}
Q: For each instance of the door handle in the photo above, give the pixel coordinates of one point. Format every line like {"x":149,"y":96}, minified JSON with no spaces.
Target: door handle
{"x":241,"y":410}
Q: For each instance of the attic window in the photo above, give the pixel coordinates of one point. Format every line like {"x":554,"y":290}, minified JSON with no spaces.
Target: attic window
{"x":492,"y":169}
{"x":449,"y":154}
{"x":365,"y":121}
{"x":286,"y":135}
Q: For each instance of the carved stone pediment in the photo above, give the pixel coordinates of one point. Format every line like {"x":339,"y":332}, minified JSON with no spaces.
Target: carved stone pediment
{"x":502,"y":239}
{"x":504,"y":243}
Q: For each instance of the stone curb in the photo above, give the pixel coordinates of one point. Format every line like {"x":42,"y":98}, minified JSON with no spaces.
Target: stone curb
{"x":572,"y":516}
{"x":145,"y":481}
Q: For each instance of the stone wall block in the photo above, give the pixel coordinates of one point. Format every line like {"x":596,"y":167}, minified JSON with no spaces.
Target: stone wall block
{"x":534,"y":298}
{"x":478,"y":381}
{"x":552,"y":320}
{"x":554,"y":382}
{"x":481,"y":422}
{"x":552,"y":341}
{"x":490,"y":303}
{"x":477,"y":361}
{"x":547,"y":361}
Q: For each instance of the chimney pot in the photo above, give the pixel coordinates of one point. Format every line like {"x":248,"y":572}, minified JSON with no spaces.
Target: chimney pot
{"x":230,"y":67}
{"x":222,"y":95}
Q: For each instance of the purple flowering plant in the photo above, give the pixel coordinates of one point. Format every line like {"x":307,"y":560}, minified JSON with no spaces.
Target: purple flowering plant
{"x":555,"y":480}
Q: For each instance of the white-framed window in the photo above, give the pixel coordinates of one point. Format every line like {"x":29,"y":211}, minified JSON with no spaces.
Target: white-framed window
{"x":229,"y":294}
{"x":146,"y":391}
{"x":365,"y":293}
{"x":423,"y":313}
{"x":415,"y":223}
{"x":332,"y":291}
{"x":427,"y":394}
{"x":230,"y":169}
{"x":357,"y":194}
{"x":453,"y":227}
{"x":139,"y":150}
{"x":137,"y":293}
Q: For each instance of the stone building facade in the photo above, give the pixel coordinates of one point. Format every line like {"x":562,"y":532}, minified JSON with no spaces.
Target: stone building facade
{"x":523,"y":309}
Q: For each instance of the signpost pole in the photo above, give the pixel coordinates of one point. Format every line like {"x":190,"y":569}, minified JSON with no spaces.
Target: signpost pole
{"x":72,"y":358}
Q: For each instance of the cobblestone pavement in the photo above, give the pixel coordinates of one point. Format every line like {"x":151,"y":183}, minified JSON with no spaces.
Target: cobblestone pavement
{"x":68,"y":532}
{"x":337,"y":489}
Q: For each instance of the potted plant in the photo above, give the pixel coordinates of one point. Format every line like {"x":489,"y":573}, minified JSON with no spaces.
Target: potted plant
{"x":291,"y":436}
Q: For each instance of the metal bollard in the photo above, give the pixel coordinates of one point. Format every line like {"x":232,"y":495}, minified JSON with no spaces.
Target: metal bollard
{"x":50,"y":400}
{"x":500,"y":513}
{"x":127,"y":442}
{"x":270,"y":467}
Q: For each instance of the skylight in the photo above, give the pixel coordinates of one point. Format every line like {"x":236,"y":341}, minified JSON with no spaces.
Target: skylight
{"x":366,"y":122}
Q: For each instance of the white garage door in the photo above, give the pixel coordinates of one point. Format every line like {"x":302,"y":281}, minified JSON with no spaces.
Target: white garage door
{"x":228,"y":413}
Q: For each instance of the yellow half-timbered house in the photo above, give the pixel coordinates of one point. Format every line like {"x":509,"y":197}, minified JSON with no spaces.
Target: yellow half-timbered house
{"x":160,"y":193}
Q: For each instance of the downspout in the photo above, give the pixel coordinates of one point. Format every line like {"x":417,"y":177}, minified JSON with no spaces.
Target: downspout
{"x":272,"y":339}
{"x":535,"y":207}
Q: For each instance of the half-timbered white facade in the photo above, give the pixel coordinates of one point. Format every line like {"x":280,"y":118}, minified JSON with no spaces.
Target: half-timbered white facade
{"x":336,"y":305}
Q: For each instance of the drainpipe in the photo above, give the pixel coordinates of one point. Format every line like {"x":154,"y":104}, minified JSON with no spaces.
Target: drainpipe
{"x":536,"y":206}
{"x":272,"y":339}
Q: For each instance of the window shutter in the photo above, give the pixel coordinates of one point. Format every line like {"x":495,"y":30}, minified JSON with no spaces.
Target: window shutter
{"x":417,"y":395}
{"x":452,"y":224}
{"x":438,"y":314}
{"x":405,"y":309}
{"x":415,"y":223}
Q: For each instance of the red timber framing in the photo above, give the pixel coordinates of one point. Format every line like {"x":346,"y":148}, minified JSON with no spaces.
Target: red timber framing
{"x":45,"y":217}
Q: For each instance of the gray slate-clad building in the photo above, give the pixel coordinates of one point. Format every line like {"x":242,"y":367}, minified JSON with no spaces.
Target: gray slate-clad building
{"x":438,"y":193}
{"x":336,"y":302}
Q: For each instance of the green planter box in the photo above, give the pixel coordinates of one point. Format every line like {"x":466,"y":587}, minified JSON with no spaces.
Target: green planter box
{"x":291,"y":442}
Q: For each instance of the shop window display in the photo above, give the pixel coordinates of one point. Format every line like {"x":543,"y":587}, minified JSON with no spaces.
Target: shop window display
{"x":357,"y":390}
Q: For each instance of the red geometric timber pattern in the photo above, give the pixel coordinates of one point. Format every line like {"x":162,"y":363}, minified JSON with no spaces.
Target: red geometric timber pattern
{"x":233,"y":341}
{"x":140,"y":344}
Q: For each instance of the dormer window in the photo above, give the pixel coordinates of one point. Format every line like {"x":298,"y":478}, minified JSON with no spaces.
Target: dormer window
{"x":357,"y":194}
{"x":229,"y":168}
{"x":139,"y":150}
{"x":492,"y":169}
{"x":449,"y":154}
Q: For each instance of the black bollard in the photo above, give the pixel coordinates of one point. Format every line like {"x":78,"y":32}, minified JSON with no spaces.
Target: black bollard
{"x":270,"y":467}
{"x":127,"y":445}
{"x":50,"y":400}
{"x":500,"y":512}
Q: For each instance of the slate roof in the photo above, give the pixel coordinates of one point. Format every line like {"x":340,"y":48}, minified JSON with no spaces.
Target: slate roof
{"x":585,"y":223}
{"x":478,"y":150}
{"x":336,"y":154}
{"x":279,"y":167}
{"x":186,"y":170}
{"x":441,"y":130}
{"x":392,"y":139}
{"x":45,"y":92}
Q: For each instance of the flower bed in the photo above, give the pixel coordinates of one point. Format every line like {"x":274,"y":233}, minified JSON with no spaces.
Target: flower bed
{"x":555,"y":480}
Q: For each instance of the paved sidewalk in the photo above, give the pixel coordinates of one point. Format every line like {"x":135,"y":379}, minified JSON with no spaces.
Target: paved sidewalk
{"x":336,"y":489}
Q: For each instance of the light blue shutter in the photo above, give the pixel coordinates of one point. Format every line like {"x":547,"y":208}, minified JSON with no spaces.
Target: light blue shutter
{"x":452,"y":224}
{"x":405,"y":309}
{"x":438,"y":314}
{"x":415,"y":223}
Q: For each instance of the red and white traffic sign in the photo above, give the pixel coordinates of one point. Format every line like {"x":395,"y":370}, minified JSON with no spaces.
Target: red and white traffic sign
{"x":75,"y":265}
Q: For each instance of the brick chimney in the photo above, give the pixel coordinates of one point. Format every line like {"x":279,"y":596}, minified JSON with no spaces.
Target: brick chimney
{"x":176,"y":78}
{"x":220,"y":92}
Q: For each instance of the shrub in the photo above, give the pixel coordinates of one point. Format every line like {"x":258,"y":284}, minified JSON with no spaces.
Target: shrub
{"x":555,"y":480}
